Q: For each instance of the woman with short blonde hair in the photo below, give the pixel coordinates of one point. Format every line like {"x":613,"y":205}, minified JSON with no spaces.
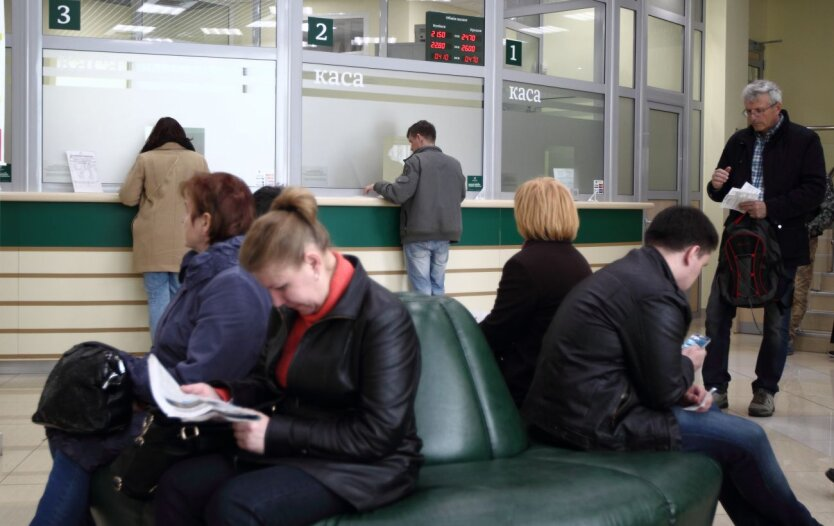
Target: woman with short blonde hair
{"x":544,"y":210}
{"x":535,"y":280}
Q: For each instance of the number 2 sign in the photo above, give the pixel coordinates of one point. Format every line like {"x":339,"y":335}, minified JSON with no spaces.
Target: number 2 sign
{"x":320,"y":31}
{"x":65,"y":14}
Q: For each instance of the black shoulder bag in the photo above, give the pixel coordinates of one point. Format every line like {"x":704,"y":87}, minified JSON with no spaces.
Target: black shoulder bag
{"x":88,"y":391}
{"x":162,"y":443}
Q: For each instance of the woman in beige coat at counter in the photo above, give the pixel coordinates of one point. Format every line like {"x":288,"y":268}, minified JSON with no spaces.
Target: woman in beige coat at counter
{"x":166,"y":160}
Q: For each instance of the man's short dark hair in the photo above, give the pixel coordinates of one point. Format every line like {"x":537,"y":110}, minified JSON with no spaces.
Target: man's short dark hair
{"x":264,"y":197}
{"x":679,"y":227}
{"x":424,"y":128}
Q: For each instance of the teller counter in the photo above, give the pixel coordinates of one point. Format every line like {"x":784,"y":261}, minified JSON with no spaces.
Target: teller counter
{"x":66,"y":272}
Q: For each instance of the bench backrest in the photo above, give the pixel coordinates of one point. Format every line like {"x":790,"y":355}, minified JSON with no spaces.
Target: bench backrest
{"x":464,"y":410}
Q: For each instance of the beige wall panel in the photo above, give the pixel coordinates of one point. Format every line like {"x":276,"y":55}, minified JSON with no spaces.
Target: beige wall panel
{"x":54,"y":344}
{"x":83,"y":317}
{"x":474,"y":258}
{"x":602,"y":255}
{"x":376,"y":260}
{"x":81,"y":289}
{"x":8,"y":344}
{"x":392,"y":282}
{"x":505,"y":254}
{"x":479,"y":306}
{"x":469,"y":282}
{"x":9,"y":289}
{"x":9,"y":317}
{"x":9,"y":261}
{"x":81,"y":262}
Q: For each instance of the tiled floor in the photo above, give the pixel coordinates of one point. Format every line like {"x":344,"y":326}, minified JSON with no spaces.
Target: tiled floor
{"x":801,"y":431}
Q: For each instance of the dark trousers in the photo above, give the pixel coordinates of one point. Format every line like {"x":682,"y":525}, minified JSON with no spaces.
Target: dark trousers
{"x":773,"y":351}
{"x":210,"y":490}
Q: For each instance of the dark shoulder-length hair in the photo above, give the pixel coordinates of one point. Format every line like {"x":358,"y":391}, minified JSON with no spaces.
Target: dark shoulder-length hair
{"x":226,"y":198}
{"x":167,"y":129}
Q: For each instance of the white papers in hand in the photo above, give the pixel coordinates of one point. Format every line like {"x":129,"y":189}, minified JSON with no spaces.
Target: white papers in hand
{"x":188,"y":407}
{"x":736,"y":196}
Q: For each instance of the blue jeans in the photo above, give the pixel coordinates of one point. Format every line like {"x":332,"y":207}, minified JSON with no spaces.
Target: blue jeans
{"x":160,"y":288}
{"x":66,"y":497}
{"x":773,"y":351}
{"x":754,"y":489}
{"x":425,"y":264}
{"x":210,"y":490}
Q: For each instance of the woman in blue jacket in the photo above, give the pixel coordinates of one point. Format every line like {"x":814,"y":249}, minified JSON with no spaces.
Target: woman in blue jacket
{"x":214,"y":328}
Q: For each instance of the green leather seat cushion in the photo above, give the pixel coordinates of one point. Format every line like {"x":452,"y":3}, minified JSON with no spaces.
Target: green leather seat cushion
{"x":546,"y":485}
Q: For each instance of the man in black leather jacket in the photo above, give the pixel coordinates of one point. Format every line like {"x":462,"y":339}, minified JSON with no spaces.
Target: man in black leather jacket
{"x":785,"y":161}
{"x":612,"y":374}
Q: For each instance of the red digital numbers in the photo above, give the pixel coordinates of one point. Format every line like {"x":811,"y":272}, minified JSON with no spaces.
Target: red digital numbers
{"x":467,"y":48}
{"x":468,"y":36}
{"x":441,"y":56}
{"x":471,"y":60}
{"x":438,"y":45}
{"x":438,"y":34}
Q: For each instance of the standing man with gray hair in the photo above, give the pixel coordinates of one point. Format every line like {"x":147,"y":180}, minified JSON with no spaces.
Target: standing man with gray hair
{"x":784,"y":160}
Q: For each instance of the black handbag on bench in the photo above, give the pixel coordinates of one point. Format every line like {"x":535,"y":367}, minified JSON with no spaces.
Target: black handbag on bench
{"x":162,"y":443}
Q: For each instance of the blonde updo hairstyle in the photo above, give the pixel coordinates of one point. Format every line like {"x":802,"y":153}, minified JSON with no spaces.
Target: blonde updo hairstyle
{"x":282,"y":235}
{"x":544,"y":210}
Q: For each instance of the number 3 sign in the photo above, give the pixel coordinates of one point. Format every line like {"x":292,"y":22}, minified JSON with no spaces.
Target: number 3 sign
{"x":65,"y":14}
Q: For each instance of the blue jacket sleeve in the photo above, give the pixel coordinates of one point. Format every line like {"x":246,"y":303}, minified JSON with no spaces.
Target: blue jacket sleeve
{"x":228,"y":337}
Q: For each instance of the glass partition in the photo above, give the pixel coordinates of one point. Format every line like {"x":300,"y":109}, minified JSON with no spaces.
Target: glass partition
{"x":695,"y":152}
{"x":569,"y":42}
{"x":552,"y":132}
{"x":107,"y":103}
{"x":625,"y":161}
{"x":697,"y":11}
{"x":675,"y":6}
{"x":354,"y":122}
{"x":355,"y":25}
{"x":663,"y":150}
{"x":697,"y":65}
{"x":235,"y":23}
{"x":665,"y":54}
{"x":516,"y":29}
{"x":626,"y":48}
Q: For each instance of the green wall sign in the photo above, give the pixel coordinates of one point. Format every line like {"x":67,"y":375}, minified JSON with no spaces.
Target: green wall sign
{"x":320,"y":31}
{"x":65,"y":14}
{"x":474,"y":183}
{"x":512,"y":52}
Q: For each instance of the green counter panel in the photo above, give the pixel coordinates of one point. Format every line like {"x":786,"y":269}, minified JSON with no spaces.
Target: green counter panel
{"x":57,"y":224}
{"x":47,"y":224}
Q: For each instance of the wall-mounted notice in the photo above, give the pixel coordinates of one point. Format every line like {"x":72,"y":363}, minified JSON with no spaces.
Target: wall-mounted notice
{"x":454,"y":38}
{"x":83,"y":171}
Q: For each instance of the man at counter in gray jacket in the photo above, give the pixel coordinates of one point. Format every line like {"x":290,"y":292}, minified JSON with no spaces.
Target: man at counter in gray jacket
{"x":429,"y":192}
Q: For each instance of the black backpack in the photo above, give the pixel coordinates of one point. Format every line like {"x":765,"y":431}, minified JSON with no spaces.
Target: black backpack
{"x":750,"y":263}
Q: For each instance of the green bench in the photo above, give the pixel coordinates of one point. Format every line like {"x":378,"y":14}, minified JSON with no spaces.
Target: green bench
{"x":480,"y":467}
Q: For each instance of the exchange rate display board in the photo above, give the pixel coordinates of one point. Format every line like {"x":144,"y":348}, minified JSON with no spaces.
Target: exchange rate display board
{"x":458,"y":39}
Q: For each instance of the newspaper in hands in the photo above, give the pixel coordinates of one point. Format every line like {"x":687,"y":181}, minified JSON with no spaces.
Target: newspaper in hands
{"x":736,"y":196}
{"x":188,"y":407}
